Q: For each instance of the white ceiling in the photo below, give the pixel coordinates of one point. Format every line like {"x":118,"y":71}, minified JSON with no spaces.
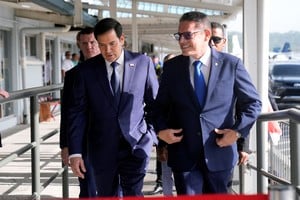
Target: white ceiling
{"x":156,"y":27}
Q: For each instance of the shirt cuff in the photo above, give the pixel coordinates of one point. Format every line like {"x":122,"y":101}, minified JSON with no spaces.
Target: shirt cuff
{"x":75,"y":155}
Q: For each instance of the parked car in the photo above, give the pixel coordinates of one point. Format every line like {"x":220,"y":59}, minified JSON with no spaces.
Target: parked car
{"x":284,"y":81}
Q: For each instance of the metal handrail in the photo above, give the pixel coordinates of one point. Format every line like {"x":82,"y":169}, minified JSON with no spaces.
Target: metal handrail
{"x":25,"y":148}
{"x":34,"y":146}
{"x":35,"y":91}
{"x":293,"y":116}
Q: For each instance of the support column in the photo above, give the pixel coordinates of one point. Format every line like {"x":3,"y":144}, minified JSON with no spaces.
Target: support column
{"x":256,"y":47}
{"x":57,"y":62}
{"x":135,"y":35}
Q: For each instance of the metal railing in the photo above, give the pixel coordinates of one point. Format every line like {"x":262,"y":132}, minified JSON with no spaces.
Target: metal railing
{"x":278,"y":164}
{"x":269,"y":160}
{"x":279,"y":154}
{"x":33,"y":94}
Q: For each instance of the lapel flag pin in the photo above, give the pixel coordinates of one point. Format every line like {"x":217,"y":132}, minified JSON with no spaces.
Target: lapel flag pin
{"x":131,"y":65}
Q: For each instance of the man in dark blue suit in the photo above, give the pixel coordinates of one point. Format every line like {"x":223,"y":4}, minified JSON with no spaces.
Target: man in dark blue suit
{"x":89,"y":48}
{"x":202,"y":132}
{"x":113,"y":95}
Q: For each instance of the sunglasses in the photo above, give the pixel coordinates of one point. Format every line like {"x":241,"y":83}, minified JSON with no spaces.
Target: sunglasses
{"x":185,"y":35}
{"x":216,"y":39}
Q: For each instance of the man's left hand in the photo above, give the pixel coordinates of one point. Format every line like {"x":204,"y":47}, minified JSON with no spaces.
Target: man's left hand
{"x":229,"y":137}
{"x":243,"y":158}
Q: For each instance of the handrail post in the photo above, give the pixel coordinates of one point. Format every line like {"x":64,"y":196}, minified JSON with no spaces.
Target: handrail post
{"x":242,"y":179}
{"x":294,"y":150}
{"x":35,"y":151}
{"x":65,"y":174}
{"x":65,"y":181}
{"x":261,"y":139}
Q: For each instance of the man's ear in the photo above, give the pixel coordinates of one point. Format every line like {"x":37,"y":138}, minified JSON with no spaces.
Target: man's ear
{"x":207,"y":33}
{"x":122,"y":39}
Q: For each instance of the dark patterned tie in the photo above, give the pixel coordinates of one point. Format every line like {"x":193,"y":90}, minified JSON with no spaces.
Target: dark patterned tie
{"x":199,"y":83}
{"x":114,"y":80}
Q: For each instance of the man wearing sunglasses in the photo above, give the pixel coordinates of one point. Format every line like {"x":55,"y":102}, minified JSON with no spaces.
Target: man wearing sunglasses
{"x":217,"y":39}
{"x":195,"y":109}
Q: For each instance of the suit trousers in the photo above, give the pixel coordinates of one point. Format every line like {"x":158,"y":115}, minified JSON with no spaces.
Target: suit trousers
{"x":167,"y":179}
{"x":87,"y":185}
{"x":125,"y":177}
{"x":201,"y":181}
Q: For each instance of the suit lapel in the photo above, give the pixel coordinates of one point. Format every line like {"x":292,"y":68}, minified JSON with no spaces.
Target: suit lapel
{"x":102,"y":78}
{"x":215,"y":69}
{"x":129,"y":69}
{"x":216,"y":64}
{"x":188,"y":84}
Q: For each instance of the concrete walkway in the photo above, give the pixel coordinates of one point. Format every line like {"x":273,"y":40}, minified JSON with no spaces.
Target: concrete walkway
{"x":15,"y":177}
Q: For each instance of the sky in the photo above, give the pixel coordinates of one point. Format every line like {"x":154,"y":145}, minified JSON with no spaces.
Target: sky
{"x":284,"y":17}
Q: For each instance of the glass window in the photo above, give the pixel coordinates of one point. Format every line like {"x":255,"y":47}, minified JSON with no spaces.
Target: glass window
{"x":30,"y":45}
{"x":5,"y":72}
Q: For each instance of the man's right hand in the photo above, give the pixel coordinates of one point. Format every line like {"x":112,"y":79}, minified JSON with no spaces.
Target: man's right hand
{"x":4,"y":93}
{"x":170,"y":136}
{"x":243,"y":158}
{"x":77,"y":166}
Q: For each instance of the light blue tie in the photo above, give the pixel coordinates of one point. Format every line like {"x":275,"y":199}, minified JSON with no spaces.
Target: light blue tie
{"x":199,"y":83}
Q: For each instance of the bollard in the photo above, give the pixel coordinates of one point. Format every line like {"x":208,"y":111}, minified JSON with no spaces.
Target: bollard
{"x":281,"y":192}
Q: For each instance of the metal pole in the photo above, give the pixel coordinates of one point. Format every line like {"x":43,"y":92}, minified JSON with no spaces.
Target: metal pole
{"x":261,"y":147}
{"x":65,"y":174}
{"x":35,"y":152}
{"x":65,"y":181}
{"x":242,"y":179}
{"x":295,"y":149}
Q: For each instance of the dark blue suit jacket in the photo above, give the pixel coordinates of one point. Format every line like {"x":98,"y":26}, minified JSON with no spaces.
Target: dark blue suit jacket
{"x":177,"y":107}
{"x":93,"y":100}
{"x":66,"y":98}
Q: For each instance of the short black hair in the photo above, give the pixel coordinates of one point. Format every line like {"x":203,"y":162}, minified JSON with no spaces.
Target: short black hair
{"x":84,"y":31}
{"x":68,"y":53}
{"x":108,"y":24}
{"x":195,"y":16}
{"x":218,"y":25}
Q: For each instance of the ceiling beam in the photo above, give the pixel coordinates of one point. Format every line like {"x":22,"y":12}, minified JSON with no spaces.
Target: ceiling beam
{"x":198,"y":5}
{"x":154,"y":17}
{"x":152,"y":29}
{"x":57,"y":18}
{"x":162,"y":20}
{"x":58,"y":6}
{"x":44,"y":16}
{"x":16,"y":1}
{"x":151,"y":13}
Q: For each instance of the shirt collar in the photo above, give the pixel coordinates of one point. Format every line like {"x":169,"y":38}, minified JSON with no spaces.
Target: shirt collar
{"x":120,"y":60}
{"x":205,"y":59}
